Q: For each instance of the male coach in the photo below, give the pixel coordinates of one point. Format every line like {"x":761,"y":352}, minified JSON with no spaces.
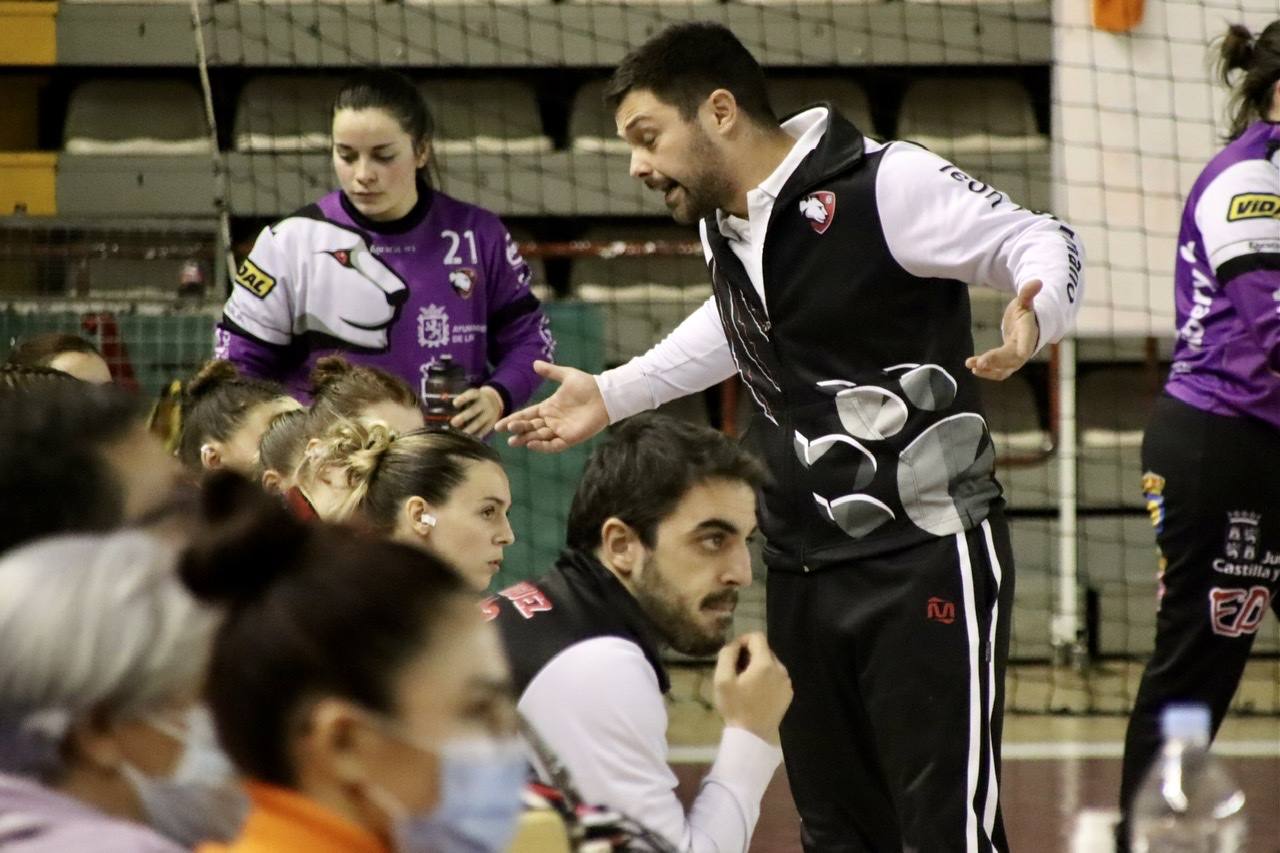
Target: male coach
{"x":839,"y":269}
{"x":657,"y":551}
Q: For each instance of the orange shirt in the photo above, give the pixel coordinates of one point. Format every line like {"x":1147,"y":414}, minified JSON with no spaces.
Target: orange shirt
{"x":284,"y":821}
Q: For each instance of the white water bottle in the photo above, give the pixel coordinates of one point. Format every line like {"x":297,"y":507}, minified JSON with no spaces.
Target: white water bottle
{"x":1187,"y":803}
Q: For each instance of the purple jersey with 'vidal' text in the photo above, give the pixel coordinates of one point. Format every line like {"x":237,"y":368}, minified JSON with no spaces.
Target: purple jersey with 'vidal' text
{"x":446,"y":279}
{"x":1227,"y":357}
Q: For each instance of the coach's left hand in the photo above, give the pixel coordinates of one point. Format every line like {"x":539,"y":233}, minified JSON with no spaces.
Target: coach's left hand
{"x":480,"y":409}
{"x":1021,"y":332}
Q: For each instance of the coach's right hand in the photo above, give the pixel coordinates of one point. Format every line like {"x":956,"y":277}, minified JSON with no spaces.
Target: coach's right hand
{"x":756,"y":698}
{"x":570,"y":416}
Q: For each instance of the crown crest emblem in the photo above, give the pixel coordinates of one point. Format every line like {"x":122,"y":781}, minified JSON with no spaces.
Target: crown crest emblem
{"x":1243,"y":517}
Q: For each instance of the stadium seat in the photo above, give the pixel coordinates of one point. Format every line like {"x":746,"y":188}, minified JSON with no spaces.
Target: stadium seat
{"x":789,"y":95}
{"x":1020,"y":431}
{"x":285,"y":113}
{"x":1113,"y":404}
{"x":960,"y":115}
{"x":591,"y":125}
{"x":806,"y":2}
{"x":485,"y":116}
{"x":448,"y":2}
{"x":974,"y":2}
{"x":643,"y":298}
{"x":130,"y":117}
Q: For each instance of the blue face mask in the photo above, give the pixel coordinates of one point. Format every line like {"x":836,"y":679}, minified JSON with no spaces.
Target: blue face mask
{"x":202,"y":799}
{"x":480,"y":784}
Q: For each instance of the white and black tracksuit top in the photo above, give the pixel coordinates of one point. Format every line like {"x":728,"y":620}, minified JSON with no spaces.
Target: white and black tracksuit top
{"x":585,"y":662}
{"x":842,"y":302}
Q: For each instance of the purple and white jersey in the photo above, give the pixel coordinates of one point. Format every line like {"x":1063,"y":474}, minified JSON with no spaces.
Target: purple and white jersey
{"x":447,"y":279}
{"x":1227,"y":357}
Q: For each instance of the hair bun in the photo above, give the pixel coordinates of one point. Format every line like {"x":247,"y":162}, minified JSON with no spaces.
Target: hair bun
{"x":1237,"y":49}
{"x":327,"y":371}
{"x":248,"y":541}
{"x":212,"y":374}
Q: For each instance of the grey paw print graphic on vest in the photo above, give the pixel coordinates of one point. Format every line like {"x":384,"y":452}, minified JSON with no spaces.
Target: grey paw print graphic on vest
{"x":931,"y":471}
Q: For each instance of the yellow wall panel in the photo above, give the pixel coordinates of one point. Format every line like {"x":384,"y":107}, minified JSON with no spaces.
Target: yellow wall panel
{"x":28,"y":182}
{"x":28,"y":32}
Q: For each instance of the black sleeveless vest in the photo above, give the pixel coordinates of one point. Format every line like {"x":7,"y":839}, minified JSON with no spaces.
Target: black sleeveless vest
{"x":868,"y":419}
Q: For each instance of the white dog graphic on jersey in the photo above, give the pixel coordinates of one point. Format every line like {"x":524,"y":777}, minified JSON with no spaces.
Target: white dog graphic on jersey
{"x":329,"y":283}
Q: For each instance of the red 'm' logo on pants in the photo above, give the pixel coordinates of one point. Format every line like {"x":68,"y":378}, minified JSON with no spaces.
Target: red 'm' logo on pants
{"x":941,"y":610}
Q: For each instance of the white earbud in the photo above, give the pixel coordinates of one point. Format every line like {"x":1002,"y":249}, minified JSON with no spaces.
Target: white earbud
{"x":208,"y":456}
{"x":427,"y":519}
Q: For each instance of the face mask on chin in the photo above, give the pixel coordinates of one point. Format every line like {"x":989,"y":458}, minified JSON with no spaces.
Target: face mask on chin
{"x":201,"y":800}
{"x":480,"y":783}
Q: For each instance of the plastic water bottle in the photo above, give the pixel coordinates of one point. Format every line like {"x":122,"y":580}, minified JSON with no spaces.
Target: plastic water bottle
{"x":445,"y":380}
{"x":1187,"y":803}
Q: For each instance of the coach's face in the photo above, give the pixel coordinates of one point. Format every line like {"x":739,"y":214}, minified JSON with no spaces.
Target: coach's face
{"x":688,"y":583}
{"x":678,"y":157}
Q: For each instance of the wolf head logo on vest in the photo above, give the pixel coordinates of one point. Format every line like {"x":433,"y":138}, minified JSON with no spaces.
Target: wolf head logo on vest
{"x":819,"y":208}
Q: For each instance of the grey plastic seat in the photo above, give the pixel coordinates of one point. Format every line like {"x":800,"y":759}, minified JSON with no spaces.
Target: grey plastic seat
{"x":789,"y":95}
{"x":977,"y":115}
{"x":278,"y":113}
{"x":129,"y":117}
{"x":485,"y":116}
{"x":591,"y":124}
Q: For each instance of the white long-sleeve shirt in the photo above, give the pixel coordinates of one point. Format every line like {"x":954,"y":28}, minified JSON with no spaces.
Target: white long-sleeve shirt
{"x":938,"y":223}
{"x":598,"y":705}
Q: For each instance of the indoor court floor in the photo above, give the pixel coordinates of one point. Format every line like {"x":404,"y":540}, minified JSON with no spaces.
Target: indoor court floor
{"x":1054,"y":764}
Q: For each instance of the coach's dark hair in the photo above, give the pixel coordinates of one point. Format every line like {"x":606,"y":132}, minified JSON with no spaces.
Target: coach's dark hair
{"x":395,"y":94}
{"x":53,"y":477}
{"x":685,"y":63}
{"x":312,"y":611}
{"x":1259,"y":58}
{"x":643,"y":471}
{"x":215,"y":403}
{"x":39,"y":350}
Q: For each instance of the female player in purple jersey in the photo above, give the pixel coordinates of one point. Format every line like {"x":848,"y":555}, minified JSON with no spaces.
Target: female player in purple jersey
{"x":1211,"y":454}
{"x":388,"y":271}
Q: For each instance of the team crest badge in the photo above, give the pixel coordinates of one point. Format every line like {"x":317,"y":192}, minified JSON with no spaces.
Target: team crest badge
{"x":433,"y":327}
{"x":1242,"y":535}
{"x":463,"y":281}
{"x":819,"y":209}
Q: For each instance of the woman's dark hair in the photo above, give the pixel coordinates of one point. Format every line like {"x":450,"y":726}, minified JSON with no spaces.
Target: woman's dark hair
{"x":395,"y":94}
{"x":283,"y":442}
{"x":216,"y":402}
{"x":53,"y":477}
{"x":384,"y":469}
{"x":312,"y":611}
{"x":685,"y":63}
{"x":643,"y":471}
{"x":23,"y":377}
{"x":1259,"y":59}
{"x":39,"y":350}
{"x":342,"y":390}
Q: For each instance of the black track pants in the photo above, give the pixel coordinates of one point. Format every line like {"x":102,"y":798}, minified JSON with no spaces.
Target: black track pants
{"x":893,"y":739}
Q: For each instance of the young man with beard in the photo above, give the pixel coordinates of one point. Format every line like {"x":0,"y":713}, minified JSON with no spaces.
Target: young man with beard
{"x":657,"y":552}
{"x":840,"y":268}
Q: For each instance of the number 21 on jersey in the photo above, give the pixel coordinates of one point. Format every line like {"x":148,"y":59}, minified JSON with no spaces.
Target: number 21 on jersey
{"x":452,"y":257}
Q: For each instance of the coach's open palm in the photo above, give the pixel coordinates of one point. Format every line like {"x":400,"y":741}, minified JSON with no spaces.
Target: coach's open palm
{"x":1021,"y":331}
{"x":570,"y":416}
